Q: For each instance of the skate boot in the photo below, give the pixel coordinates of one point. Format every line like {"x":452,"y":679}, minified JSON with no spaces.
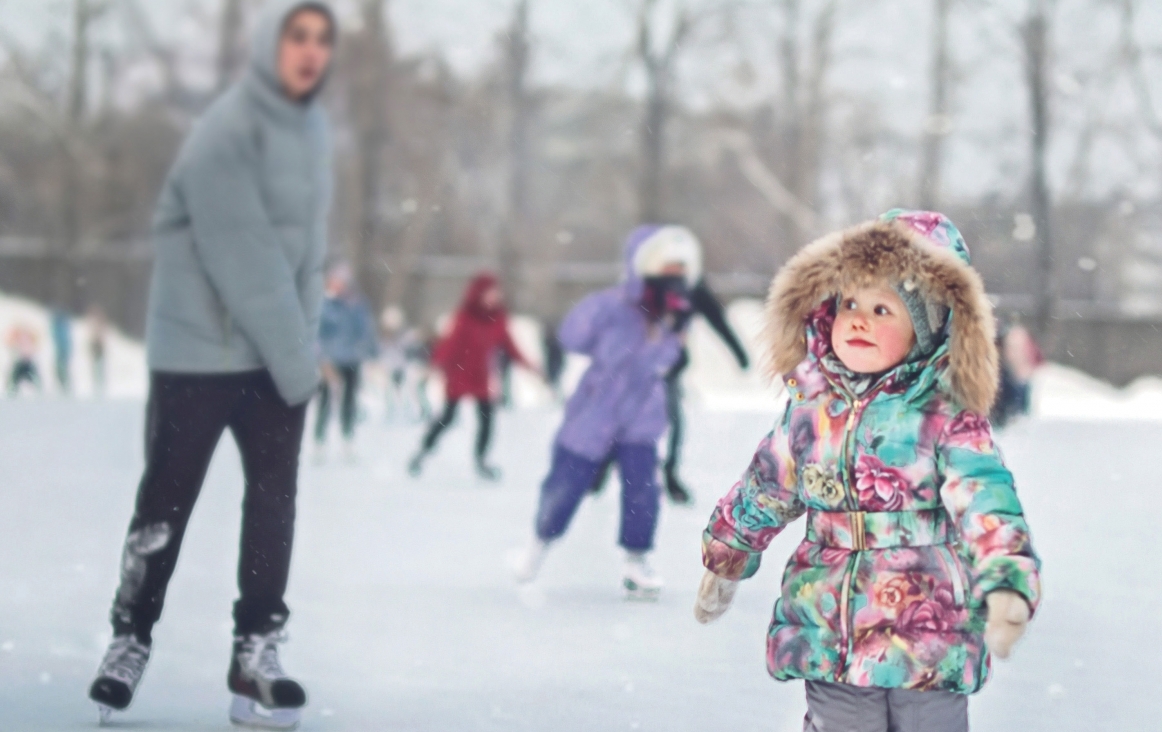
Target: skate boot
{"x":119,"y":674}
{"x":640,"y":580}
{"x":678,"y":492}
{"x":526,"y":563}
{"x":264,"y":696}
{"x":416,"y":464}
{"x":486,"y":471}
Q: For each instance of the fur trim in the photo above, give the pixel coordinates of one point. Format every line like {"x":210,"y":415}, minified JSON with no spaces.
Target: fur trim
{"x":878,"y":252}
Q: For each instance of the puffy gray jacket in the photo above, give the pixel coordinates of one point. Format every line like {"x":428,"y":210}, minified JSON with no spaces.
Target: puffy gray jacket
{"x":240,"y":232}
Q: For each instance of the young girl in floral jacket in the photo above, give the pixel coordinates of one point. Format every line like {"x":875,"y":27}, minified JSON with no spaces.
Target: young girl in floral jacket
{"x":917,"y":560}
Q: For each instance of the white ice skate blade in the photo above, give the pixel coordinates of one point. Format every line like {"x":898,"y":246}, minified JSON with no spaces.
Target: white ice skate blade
{"x":106,"y":715}
{"x":245,"y":712}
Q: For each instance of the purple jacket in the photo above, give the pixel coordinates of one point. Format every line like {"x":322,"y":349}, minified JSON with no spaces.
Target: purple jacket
{"x":622,"y":397}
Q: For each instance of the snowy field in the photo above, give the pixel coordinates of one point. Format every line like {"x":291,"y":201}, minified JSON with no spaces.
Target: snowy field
{"x":404,"y":617}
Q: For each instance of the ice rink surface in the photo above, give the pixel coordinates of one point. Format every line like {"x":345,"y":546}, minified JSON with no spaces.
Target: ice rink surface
{"x":405,"y":619}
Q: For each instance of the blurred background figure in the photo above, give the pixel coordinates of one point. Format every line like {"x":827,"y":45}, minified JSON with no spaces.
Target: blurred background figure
{"x":554,"y":359}
{"x":393,"y":357}
{"x":405,"y":355}
{"x":632,"y":334}
{"x":98,"y":336}
{"x":22,"y":344}
{"x":346,"y":340}
{"x":62,"y":347}
{"x":1020,"y":359}
{"x":702,"y":302}
{"x":468,"y":357}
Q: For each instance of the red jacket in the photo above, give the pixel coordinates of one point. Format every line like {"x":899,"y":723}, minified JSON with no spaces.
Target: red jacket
{"x":466,"y":354}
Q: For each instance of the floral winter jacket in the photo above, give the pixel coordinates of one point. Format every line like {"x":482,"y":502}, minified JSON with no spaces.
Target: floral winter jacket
{"x":912,"y":516}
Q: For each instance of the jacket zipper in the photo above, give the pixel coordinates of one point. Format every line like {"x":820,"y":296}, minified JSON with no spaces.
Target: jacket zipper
{"x":846,"y":619}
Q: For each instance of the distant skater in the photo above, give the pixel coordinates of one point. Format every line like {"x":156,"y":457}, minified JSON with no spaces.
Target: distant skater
{"x":346,"y":340}
{"x":62,"y":347}
{"x":632,"y":333}
{"x":468,"y":357}
{"x":22,"y":344}
{"x":240,"y":239}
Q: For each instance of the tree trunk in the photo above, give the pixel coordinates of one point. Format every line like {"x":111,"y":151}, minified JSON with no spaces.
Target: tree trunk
{"x":937,"y":126}
{"x":372,"y":59}
{"x":64,"y":294}
{"x":1035,"y":34}
{"x":518,"y":56}
{"x":653,"y":151}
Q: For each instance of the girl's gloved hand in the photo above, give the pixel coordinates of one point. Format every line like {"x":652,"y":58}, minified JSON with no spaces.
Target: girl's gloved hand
{"x":714,"y":597}
{"x":1008,"y":615}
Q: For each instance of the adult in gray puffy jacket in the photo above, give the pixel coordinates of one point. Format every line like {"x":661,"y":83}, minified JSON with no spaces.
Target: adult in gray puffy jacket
{"x":239,"y":234}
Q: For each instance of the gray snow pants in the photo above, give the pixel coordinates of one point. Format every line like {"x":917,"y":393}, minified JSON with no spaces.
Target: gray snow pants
{"x":846,"y":708}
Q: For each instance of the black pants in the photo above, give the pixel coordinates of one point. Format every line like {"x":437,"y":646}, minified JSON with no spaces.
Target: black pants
{"x":349,"y":374}
{"x":185,"y":418}
{"x":23,"y":370}
{"x":484,"y":412}
{"x":674,"y":397}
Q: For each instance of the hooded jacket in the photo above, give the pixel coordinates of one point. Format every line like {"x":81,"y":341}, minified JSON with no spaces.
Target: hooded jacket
{"x":912,"y":516}
{"x":239,"y":231}
{"x":621,"y":399}
{"x":466,"y":354}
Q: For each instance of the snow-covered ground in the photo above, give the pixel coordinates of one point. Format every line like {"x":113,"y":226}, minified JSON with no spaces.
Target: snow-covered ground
{"x":405,"y":617}
{"x":404,"y":614}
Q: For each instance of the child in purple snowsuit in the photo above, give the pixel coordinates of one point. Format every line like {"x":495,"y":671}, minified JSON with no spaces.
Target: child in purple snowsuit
{"x":633,"y":335}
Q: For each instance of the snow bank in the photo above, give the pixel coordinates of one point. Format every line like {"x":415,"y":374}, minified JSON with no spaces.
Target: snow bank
{"x":1060,"y":392}
{"x":126,"y":375}
{"x":714,"y":382}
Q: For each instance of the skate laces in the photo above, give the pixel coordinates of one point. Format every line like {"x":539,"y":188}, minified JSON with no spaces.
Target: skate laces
{"x":125,"y":660}
{"x":260,"y":654}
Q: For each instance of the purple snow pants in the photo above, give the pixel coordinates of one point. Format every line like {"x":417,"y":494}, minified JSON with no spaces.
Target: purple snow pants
{"x":572,"y":476}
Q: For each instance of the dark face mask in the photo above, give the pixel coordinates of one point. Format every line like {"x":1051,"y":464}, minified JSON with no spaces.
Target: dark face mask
{"x":665,"y":295}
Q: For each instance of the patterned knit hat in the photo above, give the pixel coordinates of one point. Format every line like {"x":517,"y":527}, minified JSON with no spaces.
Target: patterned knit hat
{"x":929,"y":318}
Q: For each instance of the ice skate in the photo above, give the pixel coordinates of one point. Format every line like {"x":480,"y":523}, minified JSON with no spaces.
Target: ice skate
{"x":526,"y":563}
{"x":678,"y":492}
{"x":264,"y":696}
{"x":640,"y":580}
{"x":486,"y":471}
{"x":416,"y":464}
{"x":118,"y":676}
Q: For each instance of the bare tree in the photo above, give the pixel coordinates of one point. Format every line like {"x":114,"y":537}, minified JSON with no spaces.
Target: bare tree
{"x":938,"y":124}
{"x":371,"y":61}
{"x":517,"y":48}
{"x":659,"y":65}
{"x":802,"y":108}
{"x":1035,"y":37}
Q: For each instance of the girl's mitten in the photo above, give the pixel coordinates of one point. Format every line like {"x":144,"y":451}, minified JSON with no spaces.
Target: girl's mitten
{"x":1008,"y":615}
{"x":714,"y":597}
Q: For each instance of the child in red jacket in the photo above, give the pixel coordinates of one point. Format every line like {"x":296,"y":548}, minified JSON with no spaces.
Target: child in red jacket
{"x":467,"y":356}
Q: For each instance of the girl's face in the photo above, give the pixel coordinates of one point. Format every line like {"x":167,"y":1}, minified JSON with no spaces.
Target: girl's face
{"x":873,"y":330}
{"x":304,"y":52}
{"x":492,"y":298}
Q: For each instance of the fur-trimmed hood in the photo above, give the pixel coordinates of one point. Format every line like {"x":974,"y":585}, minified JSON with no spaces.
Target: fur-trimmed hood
{"x":917,"y":247}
